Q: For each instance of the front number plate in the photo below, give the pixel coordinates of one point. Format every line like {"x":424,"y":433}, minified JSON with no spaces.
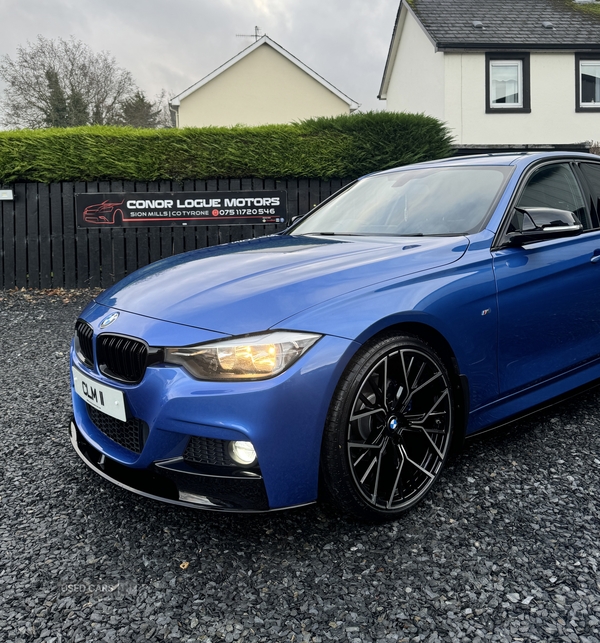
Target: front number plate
{"x":101,"y":397}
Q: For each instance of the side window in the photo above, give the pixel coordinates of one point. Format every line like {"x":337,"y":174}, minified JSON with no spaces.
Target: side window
{"x":591,"y":173}
{"x":554,"y":186}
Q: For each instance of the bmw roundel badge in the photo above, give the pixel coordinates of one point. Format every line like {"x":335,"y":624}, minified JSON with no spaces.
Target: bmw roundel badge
{"x":107,"y":321}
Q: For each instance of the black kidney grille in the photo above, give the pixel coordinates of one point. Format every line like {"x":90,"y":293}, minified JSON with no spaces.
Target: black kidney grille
{"x":207,"y":451}
{"x":84,"y":334}
{"x":131,"y":434}
{"x":121,"y":358}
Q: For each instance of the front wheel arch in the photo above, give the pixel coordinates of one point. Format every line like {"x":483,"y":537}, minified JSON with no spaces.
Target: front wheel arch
{"x":460,"y":381}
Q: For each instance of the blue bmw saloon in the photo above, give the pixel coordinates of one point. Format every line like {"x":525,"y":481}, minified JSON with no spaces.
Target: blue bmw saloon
{"x":347,"y":354}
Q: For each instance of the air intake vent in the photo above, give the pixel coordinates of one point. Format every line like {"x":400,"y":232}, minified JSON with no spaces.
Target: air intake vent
{"x":83,"y":342}
{"x":121,"y":358}
{"x":131,"y":434}
{"x":207,"y":451}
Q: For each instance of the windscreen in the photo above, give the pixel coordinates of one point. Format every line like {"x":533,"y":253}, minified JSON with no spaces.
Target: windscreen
{"x":429,"y":201}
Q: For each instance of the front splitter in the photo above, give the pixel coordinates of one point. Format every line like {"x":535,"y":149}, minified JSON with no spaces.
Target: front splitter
{"x":172,"y":487}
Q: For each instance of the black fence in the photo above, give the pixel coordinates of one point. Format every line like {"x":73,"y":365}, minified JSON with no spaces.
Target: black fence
{"x":41,"y":246}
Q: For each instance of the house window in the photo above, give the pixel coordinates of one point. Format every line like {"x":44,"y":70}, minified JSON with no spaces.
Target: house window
{"x":587,"y":71}
{"x":507,"y":83}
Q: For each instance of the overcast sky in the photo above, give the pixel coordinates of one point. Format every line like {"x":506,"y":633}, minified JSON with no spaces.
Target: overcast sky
{"x":171,"y":44}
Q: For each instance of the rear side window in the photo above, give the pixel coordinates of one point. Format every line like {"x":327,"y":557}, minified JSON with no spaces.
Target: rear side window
{"x":591,"y":172}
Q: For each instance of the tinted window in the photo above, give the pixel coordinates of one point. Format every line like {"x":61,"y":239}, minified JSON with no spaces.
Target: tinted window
{"x":591,"y":172}
{"x":555,"y":186}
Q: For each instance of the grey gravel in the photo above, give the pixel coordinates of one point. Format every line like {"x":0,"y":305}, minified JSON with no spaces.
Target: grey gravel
{"x":505,"y":549}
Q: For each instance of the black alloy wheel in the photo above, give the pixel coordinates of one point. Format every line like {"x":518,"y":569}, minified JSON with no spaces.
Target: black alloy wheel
{"x":389,"y":428}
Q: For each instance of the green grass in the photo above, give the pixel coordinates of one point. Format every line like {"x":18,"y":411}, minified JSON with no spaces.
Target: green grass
{"x":325,"y":148}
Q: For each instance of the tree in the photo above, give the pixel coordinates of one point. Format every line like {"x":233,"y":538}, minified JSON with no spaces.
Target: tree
{"x":77,"y":109}
{"x":138,"y":111}
{"x":61,"y":83}
{"x":57,"y":114}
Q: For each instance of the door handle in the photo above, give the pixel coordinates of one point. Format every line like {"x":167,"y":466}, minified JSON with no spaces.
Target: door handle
{"x":595,"y":258}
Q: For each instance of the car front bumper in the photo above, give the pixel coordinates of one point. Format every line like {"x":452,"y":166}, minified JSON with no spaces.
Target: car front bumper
{"x":172,"y":412}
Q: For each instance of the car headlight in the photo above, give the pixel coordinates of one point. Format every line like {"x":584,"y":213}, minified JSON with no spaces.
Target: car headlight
{"x":243,"y":358}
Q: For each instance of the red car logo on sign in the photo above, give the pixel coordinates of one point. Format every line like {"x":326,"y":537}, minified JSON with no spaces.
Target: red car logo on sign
{"x":102,"y":213}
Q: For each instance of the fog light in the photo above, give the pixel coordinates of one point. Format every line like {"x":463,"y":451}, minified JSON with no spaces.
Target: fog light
{"x":242,"y":452}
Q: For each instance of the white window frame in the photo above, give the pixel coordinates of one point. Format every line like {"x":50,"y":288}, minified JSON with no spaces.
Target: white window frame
{"x":506,"y":63}
{"x":582,"y":64}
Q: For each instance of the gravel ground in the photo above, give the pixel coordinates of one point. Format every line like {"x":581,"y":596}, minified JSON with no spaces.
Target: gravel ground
{"x":505,"y":549}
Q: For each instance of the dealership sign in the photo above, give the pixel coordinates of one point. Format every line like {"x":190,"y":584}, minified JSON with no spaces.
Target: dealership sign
{"x":131,"y":209}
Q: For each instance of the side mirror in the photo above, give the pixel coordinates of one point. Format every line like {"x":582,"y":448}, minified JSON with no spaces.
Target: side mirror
{"x":540,"y":224}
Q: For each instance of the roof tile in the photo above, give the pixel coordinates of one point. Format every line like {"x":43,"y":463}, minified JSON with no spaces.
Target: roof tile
{"x":510,"y":22}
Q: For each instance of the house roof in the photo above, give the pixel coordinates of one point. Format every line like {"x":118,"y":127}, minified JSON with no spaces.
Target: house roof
{"x":509,"y":23}
{"x":264,"y":41}
{"x":503,"y":24}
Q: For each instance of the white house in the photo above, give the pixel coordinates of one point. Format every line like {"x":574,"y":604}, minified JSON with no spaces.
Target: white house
{"x":263,"y":84}
{"x":517,"y":72}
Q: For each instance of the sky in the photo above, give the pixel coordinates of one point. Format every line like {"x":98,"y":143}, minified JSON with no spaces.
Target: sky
{"x":171,"y":44}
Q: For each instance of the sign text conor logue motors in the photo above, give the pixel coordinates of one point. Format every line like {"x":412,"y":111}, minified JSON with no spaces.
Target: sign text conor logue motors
{"x":131,"y":209}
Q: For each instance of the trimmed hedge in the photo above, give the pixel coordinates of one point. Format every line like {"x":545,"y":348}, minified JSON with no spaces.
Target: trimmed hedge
{"x":324,"y":148}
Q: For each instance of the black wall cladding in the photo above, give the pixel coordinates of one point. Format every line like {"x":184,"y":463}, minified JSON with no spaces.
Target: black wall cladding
{"x":41,"y":247}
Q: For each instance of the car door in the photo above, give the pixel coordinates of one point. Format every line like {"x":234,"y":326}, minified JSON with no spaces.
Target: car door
{"x":548,"y":291}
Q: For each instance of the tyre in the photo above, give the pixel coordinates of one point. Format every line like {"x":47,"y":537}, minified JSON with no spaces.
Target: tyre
{"x":389,"y":428}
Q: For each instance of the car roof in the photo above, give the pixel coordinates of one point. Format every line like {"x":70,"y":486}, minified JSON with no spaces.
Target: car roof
{"x":502,"y":158}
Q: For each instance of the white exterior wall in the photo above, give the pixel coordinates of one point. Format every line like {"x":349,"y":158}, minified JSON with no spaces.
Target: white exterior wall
{"x":262,"y":88}
{"x":553,"y":119}
{"x":417,"y":77}
{"x":451,"y":87}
